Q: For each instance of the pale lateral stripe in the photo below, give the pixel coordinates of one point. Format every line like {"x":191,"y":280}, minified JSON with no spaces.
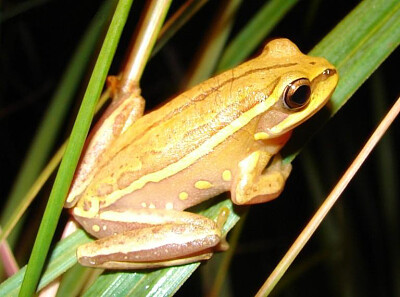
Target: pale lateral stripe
{"x":135,"y":246}
{"x":190,"y":158}
{"x":152,"y":217}
{"x":132,"y":217}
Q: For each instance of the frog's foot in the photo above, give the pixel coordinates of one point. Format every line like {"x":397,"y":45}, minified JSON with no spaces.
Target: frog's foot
{"x":277,"y":164}
{"x":178,"y":238}
{"x":112,"y":84}
{"x":257,"y":184}
{"x":223,"y":215}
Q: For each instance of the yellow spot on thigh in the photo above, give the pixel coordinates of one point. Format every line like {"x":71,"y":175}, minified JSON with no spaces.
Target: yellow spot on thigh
{"x":152,"y":205}
{"x":104,"y":227}
{"x":143,"y":204}
{"x":202,"y":185}
{"x":169,"y":205}
{"x":227,"y":175}
{"x":183,"y":195}
{"x":96,"y":228}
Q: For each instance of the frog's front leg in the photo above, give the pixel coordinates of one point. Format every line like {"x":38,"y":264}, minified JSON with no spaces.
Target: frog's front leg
{"x":136,"y":239}
{"x":256,"y":184}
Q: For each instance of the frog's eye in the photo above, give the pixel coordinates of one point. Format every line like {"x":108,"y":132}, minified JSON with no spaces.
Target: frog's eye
{"x":297,"y":94}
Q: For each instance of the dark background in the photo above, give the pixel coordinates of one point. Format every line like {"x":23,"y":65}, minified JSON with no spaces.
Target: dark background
{"x":350,"y":253}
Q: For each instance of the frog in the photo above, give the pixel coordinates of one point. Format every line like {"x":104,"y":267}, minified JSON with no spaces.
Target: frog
{"x":140,"y":172}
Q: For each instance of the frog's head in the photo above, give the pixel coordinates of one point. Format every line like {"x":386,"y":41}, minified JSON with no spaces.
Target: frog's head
{"x":302,"y":86}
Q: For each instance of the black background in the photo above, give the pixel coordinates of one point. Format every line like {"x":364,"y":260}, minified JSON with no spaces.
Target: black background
{"x":36,"y":45}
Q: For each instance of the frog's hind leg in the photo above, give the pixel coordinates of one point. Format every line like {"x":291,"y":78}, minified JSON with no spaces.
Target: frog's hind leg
{"x":165,"y":238}
{"x":119,"y":116}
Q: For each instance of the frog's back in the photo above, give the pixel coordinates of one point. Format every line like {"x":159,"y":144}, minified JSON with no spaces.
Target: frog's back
{"x":181,"y":126}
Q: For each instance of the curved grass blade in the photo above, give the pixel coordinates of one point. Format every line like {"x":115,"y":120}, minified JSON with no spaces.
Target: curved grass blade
{"x":61,"y":259}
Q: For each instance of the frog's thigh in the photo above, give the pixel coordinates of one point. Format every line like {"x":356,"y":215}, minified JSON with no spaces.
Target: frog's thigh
{"x":170,"y":238}
{"x":118,"y":117}
{"x":254,"y":183}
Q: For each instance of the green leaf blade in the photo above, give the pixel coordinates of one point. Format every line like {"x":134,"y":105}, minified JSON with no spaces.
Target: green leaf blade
{"x":74,"y":147}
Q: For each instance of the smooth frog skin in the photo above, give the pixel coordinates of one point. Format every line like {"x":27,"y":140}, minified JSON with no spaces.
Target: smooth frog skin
{"x":139,"y":173}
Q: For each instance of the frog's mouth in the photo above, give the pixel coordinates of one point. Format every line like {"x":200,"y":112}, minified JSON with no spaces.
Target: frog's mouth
{"x":279,"y":119}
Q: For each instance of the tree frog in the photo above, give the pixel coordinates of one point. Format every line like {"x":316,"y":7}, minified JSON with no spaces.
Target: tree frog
{"x":139,"y":173}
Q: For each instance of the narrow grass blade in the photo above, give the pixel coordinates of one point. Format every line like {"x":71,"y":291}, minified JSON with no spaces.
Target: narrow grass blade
{"x":74,"y":147}
{"x":54,"y":117}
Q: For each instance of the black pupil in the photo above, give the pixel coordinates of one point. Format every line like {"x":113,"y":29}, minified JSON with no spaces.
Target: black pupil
{"x":301,"y":95}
